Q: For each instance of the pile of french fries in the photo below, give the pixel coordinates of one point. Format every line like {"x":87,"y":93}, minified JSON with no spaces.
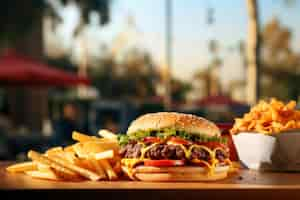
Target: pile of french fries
{"x":90,"y":158}
{"x":269,"y":117}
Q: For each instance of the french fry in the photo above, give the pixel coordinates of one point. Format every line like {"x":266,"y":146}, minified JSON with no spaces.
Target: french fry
{"x":42,"y":167}
{"x":98,"y":168}
{"x":59,"y":151}
{"x":81,"y":153}
{"x":70,"y":156}
{"x":49,"y":175}
{"x":91,"y":157}
{"x":104,"y":155}
{"x":108,"y":169}
{"x":22,"y":167}
{"x":82,"y":171}
{"x":57,"y":167}
{"x":80,"y":137}
{"x":99,"y":146}
{"x":117,"y":167}
{"x":54,"y":150}
{"x":85,"y":138}
{"x":92,"y":165}
{"x":107,"y":134}
{"x":84,"y":163}
{"x":69,"y":149}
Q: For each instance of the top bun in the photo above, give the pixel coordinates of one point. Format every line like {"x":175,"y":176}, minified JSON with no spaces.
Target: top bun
{"x":186,"y":122}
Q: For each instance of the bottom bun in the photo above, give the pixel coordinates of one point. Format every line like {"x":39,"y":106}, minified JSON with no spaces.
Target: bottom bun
{"x":187,"y":174}
{"x":168,"y":177}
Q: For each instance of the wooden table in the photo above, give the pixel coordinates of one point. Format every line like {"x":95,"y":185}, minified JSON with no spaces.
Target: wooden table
{"x":245,"y":185}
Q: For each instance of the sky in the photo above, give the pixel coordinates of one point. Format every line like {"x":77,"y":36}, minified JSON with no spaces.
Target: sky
{"x":191,"y":32}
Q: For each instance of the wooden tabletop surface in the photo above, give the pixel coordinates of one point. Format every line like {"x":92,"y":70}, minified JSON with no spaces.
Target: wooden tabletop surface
{"x":245,"y":179}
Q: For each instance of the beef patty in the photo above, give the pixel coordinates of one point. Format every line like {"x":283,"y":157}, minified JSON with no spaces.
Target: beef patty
{"x":157,"y":152}
{"x":167,"y":151}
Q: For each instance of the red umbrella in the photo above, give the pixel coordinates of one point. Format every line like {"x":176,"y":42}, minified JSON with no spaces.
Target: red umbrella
{"x":17,"y":69}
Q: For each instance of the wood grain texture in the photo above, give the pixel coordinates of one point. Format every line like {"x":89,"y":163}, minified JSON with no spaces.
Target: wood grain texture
{"x":245,"y":180}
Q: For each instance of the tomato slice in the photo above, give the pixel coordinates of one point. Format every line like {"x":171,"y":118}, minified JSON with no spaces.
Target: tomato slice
{"x":151,"y":139}
{"x":164,"y":163}
{"x":179,"y":140}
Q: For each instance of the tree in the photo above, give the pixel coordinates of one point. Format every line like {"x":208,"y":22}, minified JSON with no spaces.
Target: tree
{"x":209,"y":78}
{"x":21,"y":28}
{"x":253,"y":49}
{"x":280,"y":63}
{"x":278,"y":53}
{"x":253,"y":52}
{"x":134,"y":78}
{"x":179,"y":90}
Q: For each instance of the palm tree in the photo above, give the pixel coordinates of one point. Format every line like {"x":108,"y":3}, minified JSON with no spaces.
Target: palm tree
{"x":253,"y":42}
{"x":253,"y":49}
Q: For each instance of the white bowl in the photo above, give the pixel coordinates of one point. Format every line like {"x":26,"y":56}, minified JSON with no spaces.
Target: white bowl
{"x":254,"y":150}
{"x":277,"y":152}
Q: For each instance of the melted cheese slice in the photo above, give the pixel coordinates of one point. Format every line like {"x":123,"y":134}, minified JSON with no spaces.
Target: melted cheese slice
{"x":145,"y":149}
{"x":130,"y":163}
{"x":210,"y":166}
{"x":227,"y":161}
{"x":213,"y":161}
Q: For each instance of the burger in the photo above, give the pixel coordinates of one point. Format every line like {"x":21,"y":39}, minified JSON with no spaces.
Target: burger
{"x":169,"y":146}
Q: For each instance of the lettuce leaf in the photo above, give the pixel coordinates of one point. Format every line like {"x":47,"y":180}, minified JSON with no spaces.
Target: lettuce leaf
{"x":166,"y":133}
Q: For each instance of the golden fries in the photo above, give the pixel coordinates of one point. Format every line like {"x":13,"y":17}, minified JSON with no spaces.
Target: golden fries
{"x":98,"y":168}
{"x":69,"y":149}
{"x":80,"y":151}
{"x":65,"y":172}
{"x":104,"y":155}
{"x":50,"y":175}
{"x":84,"y":163}
{"x":80,"y":137}
{"x":42,"y":167}
{"x":85,"y":138}
{"x":81,"y":171}
{"x":269,"y":118}
{"x":107,"y":134}
{"x":54,"y":150}
{"x":108,"y":169}
{"x":70,"y":156}
{"x":22,"y":167}
{"x":97,"y":146}
{"x":90,"y":158}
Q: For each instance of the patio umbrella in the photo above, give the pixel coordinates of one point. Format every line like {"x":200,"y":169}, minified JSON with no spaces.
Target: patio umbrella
{"x":17,"y":69}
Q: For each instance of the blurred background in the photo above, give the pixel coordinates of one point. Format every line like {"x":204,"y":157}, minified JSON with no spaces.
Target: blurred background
{"x":89,"y":64}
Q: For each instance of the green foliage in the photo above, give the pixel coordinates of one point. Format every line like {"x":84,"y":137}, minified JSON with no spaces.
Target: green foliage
{"x":280,"y":64}
{"x":136,"y":79}
{"x":179,"y":89}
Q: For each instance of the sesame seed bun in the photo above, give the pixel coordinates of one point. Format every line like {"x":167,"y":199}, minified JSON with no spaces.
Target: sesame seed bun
{"x":192,"y":124}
